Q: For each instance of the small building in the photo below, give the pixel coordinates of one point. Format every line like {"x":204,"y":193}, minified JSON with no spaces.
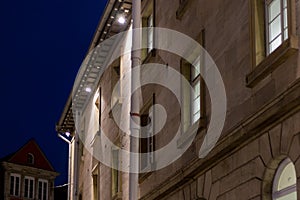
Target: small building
{"x":27,"y":174}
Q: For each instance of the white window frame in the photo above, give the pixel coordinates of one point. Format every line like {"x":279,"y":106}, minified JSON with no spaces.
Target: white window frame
{"x":15,"y":176}
{"x":150,"y":34}
{"x":147,"y":159}
{"x":115,"y":169}
{"x":47,"y":190}
{"x":27,"y":193}
{"x":283,"y":14}
{"x":150,"y":144}
{"x":285,"y":191}
{"x":195,"y":79}
{"x":32,"y":157}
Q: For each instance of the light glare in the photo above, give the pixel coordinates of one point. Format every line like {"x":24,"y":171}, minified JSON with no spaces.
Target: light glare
{"x":88,"y":89}
{"x":68,"y":134}
{"x":121,"y":20}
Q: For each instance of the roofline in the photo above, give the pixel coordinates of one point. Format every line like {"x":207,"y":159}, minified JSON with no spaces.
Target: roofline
{"x":100,"y":26}
{"x":65,"y":111}
{"x":102,"y":23}
{"x":22,"y":147}
{"x":54,"y":173}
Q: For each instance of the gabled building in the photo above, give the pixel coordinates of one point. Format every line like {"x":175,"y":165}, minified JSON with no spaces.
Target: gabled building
{"x":27,"y":174}
{"x":255,"y":45}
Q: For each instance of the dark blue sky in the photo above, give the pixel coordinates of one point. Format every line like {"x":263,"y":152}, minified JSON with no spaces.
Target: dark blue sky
{"x":43,"y":43}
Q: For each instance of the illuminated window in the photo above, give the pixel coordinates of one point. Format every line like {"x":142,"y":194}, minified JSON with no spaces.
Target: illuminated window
{"x":195,"y":96}
{"x":30,"y":158}
{"x":147,"y":140}
{"x":284,"y":184}
{"x":96,"y":185}
{"x":29,"y":187}
{"x":148,"y":23}
{"x":277,"y":23}
{"x":42,"y":189}
{"x":15,"y":184}
{"x":270,"y":26}
{"x":115,"y":173}
{"x":150,"y":32}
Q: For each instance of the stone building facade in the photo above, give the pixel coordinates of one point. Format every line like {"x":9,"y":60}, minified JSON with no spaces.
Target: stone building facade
{"x":255,"y":45}
{"x":27,"y":174}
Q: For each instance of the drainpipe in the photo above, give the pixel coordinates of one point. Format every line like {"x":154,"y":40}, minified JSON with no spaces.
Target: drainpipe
{"x":134,"y":107}
{"x":69,"y":162}
{"x":76,"y":168}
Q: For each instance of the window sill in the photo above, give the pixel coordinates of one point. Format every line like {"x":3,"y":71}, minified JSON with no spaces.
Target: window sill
{"x":182,"y":9}
{"x":270,"y":63}
{"x":150,"y":54}
{"x":191,"y":132}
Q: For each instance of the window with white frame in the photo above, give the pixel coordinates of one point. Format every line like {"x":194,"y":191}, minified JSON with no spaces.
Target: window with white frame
{"x":147,"y":140}
{"x":30,"y":158}
{"x":277,"y":23}
{"x":115,"y":172}
{"x":271,"y":26}
{"x":42,"y":189}
{"x":284,"y":183}
{"x":15,"y":180}
{"x":195,"y":94}
{"x":29,"y":187}
{"x":193,"y":87}
{"x":148,"y":23}
{"x":150,"y":32}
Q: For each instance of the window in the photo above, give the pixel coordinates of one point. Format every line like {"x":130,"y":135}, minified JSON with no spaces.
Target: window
{"x":42,"y":189}
{"x":148,"y":22}
{"x":192,"y":95}
{"x":284,"y":184}
{"x":277,"y":23}
{"x":274,"y":37}
{"x":15,"y":184}
{"x":147,"y":141}
{"x":195,"y":98}
{"x":30,"y":158}
{"x":115,"y":173}
{"x":29,"y":187}
{"x":95,"y":187}
{"x":150,"y":32}
{"x":271,"y":26}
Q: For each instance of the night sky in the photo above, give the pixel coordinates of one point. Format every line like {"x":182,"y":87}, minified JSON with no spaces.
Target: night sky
{"x":43,"y":43}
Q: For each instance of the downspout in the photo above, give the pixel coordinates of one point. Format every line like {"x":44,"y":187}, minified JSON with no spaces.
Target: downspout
{"x":69,"y":170}
{"x":134,"y":107}
{"x":76,"y":150}
{"x":69,"y":163}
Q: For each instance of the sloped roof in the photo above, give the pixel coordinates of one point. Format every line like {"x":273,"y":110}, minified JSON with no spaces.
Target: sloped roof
{"x":20,"y":156}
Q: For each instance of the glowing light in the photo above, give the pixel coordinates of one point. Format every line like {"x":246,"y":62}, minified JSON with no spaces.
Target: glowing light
{"x":88,"y":89}
{"x":121,"y":20}
{"x":68,"y":134}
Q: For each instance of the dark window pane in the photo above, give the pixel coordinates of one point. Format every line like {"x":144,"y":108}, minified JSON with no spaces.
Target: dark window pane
{"x":17,"y":186}
{"x":12,"y":184}
{"x":40,"y":190}
{"x":31,"y":189}
{"x":26,"y":188}
{"x":45,"y":191}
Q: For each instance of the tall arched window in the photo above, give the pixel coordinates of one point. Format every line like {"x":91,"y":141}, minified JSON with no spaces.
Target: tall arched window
{"x":284,"y":184}
{"x":30,"y":158}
